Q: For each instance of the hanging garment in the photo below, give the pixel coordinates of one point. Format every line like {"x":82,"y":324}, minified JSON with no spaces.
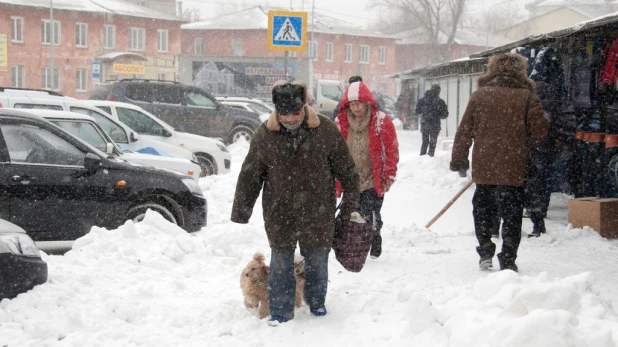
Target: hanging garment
{"x":609,"y":73}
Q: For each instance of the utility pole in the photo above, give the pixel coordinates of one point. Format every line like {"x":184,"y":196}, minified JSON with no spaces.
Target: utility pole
{"x":51,"y":44}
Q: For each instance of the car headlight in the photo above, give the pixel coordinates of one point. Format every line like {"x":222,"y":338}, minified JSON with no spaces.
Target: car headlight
{"x":222,"y":147}
{"x":192,"y":186}
{"x":18,"y":244}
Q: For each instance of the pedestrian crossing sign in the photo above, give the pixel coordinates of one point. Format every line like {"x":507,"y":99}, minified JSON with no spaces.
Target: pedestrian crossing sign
{"x":287,"y":30}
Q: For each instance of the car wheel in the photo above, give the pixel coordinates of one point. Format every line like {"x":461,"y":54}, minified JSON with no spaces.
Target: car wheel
{"x":207,"y":165}
{"x":137,"y":212}
{"x":240,"y":132}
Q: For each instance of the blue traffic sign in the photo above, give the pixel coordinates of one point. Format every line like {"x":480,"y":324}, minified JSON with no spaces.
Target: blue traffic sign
{"x":96,"y":70}
{"x":287,"y":30}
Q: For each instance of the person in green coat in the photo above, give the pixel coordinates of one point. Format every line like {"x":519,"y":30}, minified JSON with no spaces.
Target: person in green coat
{"x":293,"y":160}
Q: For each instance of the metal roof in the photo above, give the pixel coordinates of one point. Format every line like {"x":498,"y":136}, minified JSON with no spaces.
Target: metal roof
{"x":424,"y":70}
{"x":118,"y":7}
{"x":256,"y":18}
{"x":113,"y":55}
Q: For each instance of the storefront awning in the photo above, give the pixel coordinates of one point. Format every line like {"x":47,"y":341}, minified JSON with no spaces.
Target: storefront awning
{"x":113,"y":56}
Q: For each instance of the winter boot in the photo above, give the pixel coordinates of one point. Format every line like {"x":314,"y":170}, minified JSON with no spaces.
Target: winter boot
{"x":485,"y":263}
{"x":507,"y":264}
{"x":276,"y":320}
{"x":318,"y":312}
{"x":376,"y":247}
{"x":538,"y":224}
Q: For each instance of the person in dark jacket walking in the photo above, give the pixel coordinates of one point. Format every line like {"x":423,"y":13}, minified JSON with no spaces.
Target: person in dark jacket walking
{"x":294,"y":159}
{"x":431,"y":109}
{"x":504,"y":118}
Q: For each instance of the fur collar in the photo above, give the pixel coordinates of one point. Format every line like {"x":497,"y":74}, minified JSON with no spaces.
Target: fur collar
{"x":313,"y":121}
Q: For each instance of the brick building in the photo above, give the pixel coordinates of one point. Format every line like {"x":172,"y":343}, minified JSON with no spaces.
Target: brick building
{"x":338,"y":49}
{"x":128,"y":40}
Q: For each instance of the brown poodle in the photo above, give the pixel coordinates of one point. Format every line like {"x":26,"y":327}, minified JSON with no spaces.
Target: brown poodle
{"x":254,"y":283}
{"x":299,"y":273}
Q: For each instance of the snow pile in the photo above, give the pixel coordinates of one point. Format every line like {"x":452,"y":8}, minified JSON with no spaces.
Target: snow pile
{"x":152,"y":284}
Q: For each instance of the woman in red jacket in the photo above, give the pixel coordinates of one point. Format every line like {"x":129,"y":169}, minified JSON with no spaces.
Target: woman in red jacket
{"x":372,"y":140}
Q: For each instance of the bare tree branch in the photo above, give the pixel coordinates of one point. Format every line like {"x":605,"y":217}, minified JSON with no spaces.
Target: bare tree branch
{"x":433,"y":17}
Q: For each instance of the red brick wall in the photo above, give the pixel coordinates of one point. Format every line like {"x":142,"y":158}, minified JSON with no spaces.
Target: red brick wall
{"x":220,"y":42}
{"x":35,"y":56}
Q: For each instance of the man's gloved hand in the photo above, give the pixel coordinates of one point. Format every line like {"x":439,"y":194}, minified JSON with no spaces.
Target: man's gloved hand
{"x":347,"y":208}
{"x":462,"y":173}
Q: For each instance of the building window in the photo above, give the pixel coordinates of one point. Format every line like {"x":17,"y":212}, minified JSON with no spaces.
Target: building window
{"x":313,"y":50}
{"x":348,"y":53}
{"x":382,"y":55}
{"x":329,"y":51}
{"x":17,"y":76}
{"x":81,"y":35}
{"x":198,"y":46}
{"x":109,"y":36}
{"x":163,"y":75}
{"x":364,"y":54}
{"x":80,"y":80}
{"x":46,"y":32}
{"x":162,"y":40}
{"x":17,"y":29}
{"x":237,"y":48}
{"x":137,"y":39}
{"x":50,"y":78}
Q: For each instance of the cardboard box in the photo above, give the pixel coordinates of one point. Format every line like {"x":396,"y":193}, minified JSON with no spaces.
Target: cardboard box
{"x":599,"y":214}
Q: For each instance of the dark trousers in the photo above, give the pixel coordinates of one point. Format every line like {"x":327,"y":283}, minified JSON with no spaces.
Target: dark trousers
{"x":430,"y":139}
{"x":490,"y":203}
{"x":370,"y":206}
{"x":282,"y":283}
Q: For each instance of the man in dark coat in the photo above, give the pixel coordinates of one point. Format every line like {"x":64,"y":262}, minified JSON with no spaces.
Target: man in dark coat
{"x":294,"y":159}
{"x":504,"y":118}
{"x":431,"y":109}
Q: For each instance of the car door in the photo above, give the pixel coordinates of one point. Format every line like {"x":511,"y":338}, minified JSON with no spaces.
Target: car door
{"x":205,"y":114}
{"x":49,"y":194}
{"x":168,"y":106}
{"x":146,"y":126}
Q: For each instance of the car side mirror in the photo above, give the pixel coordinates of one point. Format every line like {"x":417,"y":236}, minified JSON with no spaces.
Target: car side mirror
{"x":166,"y":133}
{"x":109,"y":148}
{"x":92,"y":162}
{"x":133,"y":137}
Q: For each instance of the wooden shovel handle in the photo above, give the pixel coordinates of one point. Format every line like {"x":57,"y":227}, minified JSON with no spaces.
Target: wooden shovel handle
{"x":449,"y":204}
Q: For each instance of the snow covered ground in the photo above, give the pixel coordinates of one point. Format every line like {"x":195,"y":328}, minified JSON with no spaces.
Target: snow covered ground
{"x":152,"y":284}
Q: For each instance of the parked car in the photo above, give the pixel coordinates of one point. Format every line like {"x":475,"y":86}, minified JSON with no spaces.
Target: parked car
{"x":57,"y":187}
{"x":88,"y":130}
{"x":186,"y":108}
{"x":249,"y":104}
{"x":21,"y":266}
{"x":124,"y":136}
{"x":212,"y":154}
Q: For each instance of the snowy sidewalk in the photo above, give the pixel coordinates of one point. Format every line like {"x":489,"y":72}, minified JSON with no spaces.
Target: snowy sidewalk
{"x":152,"y":284}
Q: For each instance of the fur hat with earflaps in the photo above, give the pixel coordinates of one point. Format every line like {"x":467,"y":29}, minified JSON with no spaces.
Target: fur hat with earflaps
{"x":509,"y":65}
